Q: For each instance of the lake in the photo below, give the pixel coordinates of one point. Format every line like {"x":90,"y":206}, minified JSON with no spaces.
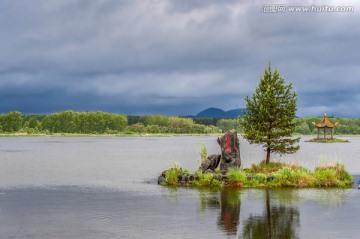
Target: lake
{"x":106,"y":187}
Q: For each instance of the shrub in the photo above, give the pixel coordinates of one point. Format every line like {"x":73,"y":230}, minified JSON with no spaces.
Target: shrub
{"x":263,"y":167}
{"x":283,"y":177}
{"x":186,"y":172}
{"x":336,"y":175}
{"x":261,"y":179}
{"x":203,"y":151}
{"x":236,"y":175}
{"x":171,"y":177}
{"x":342,"y":174}
{"x":207,"y":180}
{"x":325,"y":177}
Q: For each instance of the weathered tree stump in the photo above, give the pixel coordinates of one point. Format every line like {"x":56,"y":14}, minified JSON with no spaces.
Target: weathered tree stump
{"x":230,"y":151}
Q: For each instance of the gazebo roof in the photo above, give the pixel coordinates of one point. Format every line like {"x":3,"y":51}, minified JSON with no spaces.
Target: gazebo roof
{"x":325,"y":123}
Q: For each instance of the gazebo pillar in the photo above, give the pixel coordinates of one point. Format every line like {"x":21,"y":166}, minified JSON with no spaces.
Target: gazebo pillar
{"x":332,"y":131}
{"x":324,"y":132}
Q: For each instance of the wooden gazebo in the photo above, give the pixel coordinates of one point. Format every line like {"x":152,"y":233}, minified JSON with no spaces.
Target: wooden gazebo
{"x":325,"y":124}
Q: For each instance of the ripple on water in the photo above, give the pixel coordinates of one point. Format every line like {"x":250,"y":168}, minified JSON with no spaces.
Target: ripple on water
{"x":105,"y":218}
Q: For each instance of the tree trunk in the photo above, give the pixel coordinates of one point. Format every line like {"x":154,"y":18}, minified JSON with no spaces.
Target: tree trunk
{"x":268,"y":155}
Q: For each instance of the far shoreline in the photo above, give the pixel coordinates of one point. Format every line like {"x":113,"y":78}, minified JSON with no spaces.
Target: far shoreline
{"x":100,"y":135}
{"x":24,"y":134}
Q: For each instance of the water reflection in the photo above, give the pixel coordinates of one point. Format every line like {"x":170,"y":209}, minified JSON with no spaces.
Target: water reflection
{"x":108,"y":198}
{"x":228,"y":201}
{"x":277,"y":221}
{"x":280,"y":219}
{"x":228,"y":220}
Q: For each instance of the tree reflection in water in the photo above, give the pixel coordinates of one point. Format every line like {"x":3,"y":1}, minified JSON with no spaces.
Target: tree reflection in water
{"x":277,"y":221}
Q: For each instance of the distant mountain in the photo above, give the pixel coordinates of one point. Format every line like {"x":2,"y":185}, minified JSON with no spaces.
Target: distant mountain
{"x":235,"y":113}
{"x":219,"y":113}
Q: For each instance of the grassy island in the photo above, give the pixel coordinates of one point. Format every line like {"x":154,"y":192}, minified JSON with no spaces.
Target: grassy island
{"x":273,"y":174}
{"x":333,"y":140}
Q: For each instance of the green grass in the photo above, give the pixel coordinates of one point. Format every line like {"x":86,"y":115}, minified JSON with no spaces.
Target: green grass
{"x":332,"y":176}
{"x":172,"y":176}
{"x":206,"y":180}
{"x":236,"y":177}
{"x":268,"y":175}
{"x":292,"y":177}
{"x":203,"y":151}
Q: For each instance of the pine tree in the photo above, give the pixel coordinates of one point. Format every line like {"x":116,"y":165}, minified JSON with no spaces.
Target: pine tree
{"x":269,"y":118}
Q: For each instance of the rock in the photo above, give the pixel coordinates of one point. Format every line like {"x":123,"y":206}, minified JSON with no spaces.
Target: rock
{"x":230,"y":151}
{"x":209,"y":171}
{"x":205,"y":165}
{"x":211,"y":162}
{"x":223,"y":168}
{"x":161,"y":179}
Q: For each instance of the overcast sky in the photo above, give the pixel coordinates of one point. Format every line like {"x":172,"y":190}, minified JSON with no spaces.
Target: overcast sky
{"x":174,"y":57}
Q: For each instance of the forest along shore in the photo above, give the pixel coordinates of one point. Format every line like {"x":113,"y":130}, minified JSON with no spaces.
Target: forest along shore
{"x":68,"y":123}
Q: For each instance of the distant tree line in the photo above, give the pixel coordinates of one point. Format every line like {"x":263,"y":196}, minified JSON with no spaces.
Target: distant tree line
{"x":63,"y":122}
{"x":346,"y":126}
{"x":349,"y":126}
{"x":100,"y":123}
{"x":133,"y":119}
{"x":109,"y":123}
{"x":165,"y":124}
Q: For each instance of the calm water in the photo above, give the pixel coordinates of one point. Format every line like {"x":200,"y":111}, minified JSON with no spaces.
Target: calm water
{"x":105,"y":187}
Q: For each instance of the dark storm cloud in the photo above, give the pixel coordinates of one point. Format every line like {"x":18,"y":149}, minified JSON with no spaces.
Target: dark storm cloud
{"x":172,"y":57}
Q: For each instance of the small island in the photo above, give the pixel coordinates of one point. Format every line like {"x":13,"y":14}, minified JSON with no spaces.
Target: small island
{"x":262,"y":175}
{"x":333,"y":140}
{"x":326,"y":124}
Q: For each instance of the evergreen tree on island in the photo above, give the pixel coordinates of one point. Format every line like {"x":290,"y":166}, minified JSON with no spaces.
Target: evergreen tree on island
{"x":270,"y":113}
